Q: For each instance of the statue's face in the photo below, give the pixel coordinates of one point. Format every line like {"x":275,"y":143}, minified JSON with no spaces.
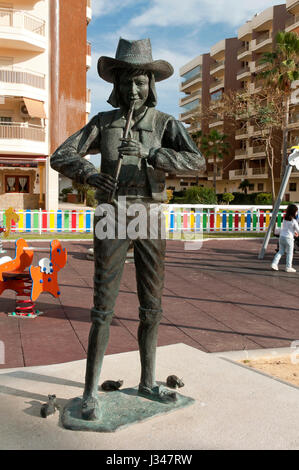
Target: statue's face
{"x":135,"y":88}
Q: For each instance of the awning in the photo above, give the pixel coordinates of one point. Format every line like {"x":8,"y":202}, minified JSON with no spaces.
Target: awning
{"x":35,"y":108}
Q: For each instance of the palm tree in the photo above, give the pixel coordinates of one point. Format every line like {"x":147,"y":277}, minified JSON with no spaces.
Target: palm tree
{"x":281,"y":72}
{"x":213,"y":145}
{"x":244,"y":185}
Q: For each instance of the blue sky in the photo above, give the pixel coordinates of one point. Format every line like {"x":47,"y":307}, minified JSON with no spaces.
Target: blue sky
{"x":179,"y":31}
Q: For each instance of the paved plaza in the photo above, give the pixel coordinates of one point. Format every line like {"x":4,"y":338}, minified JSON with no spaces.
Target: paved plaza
{"x":220,"y":298}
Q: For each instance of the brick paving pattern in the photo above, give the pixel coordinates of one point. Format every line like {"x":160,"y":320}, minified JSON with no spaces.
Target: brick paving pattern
{"x":219,"y":298}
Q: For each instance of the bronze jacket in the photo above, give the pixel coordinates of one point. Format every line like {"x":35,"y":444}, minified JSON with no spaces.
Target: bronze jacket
{"x":170,"y":150}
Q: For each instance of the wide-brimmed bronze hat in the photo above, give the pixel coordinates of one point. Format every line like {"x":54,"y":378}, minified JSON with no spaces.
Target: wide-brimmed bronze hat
{"x":134,"y":54}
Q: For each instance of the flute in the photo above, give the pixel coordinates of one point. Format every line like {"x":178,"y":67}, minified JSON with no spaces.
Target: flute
{"x":120,"y":155}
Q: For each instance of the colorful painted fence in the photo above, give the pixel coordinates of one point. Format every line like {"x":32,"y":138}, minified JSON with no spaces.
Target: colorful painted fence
{"x":178,"y":218}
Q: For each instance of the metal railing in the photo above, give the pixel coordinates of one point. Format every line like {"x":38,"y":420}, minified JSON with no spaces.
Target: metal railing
{"x":17,"y":75}
{"x":22,"y":20}
{"x":22,"y":130}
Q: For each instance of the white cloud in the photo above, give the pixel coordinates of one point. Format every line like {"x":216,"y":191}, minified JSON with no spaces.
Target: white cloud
{"x":194,"y":12}
{"x":106,"y":7}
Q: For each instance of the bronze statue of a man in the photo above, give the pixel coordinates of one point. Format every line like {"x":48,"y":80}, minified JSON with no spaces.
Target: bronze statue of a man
{"x":157,"y":144}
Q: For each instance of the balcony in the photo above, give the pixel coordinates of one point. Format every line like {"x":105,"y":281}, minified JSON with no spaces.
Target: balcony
{"x":16,"y":81}
{"x":263,"y":43}
{"x":88,"y":55}
{"x":22,"y":138}
{"x":256,"y":67}
{"x":20,"y":30}
{"x":245,"y":31}
{"x":238,"y":174}
{"x":293,"y":5}
{"x":240,"y":154}
{"x":88,"y":100}
{"x":244,"y":72}
{"x":216,"y":122}
{"x":216,"y":85}
{"x":256,"y":173}
{"x":292,"y":23}
{"x":88,"y":11}
{"x":256,"y":87}
{"x":186,"y":99}
{"x":242,"y":133}
{"x":218,"y":175}
{"x":244,"y":52}
{"x":217,"y":67}
{"x":191,"y":84}
{"x":257,"y":151}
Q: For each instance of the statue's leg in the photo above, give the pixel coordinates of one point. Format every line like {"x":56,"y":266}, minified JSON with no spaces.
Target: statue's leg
{"x":149,"y":260}
{"x":109,"y":258}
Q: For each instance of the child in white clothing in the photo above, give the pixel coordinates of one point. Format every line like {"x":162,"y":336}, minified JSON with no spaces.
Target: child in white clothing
{"x":290,"y":228}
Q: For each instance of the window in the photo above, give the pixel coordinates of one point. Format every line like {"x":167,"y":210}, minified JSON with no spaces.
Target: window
{"x":193,"y":184}
{"x":293,"y":187}
{"x":191,"y":73}
{"x":5,"y":120}
{"x":251,"y":187}
{"x":16,"y":184}
{"x":260,"y":187}
{"x":192,"y":105}
{"x":184,"y":183}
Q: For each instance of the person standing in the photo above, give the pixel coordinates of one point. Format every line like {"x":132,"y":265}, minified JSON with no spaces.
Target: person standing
{"x":290,"y":228}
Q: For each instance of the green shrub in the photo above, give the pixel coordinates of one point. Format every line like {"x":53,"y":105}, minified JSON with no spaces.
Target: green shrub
{"x":90,"y":198}
{"x":199,"y":195}
{"x":263,"y":199}
{"x":228,"y":197}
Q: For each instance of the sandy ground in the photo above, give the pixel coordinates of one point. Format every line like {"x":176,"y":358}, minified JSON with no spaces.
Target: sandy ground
{"x":280,"y":367}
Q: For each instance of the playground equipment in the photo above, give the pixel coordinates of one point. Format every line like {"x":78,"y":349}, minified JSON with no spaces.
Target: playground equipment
{"x":29,"y":281}
{"x":293,"y":162}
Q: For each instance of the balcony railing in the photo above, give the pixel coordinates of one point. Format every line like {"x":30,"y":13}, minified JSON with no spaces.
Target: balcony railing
{"x":263,"y":37}
{"x":259,"y":149}
{"x":21,"y":130}
{"x":258,"y":171}
{"x":240,"y":152}
{"x":192,"y":95}
{"x":22,"y":20}
{"x":217,"y":64}
{"x":190,"y":111}
{"x":243,"y":49}
{"x":242,"y":131}
{"x":293,"y":20}
{"x":243,"y":70}
{"x":195,"y":77}
{"x":17,"y":75}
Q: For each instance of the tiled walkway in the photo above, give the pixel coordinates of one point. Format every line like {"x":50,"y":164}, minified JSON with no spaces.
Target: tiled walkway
{"x":219,"y":298}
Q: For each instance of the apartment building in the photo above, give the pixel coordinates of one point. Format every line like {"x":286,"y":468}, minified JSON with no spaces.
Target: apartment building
{"x":43,"y":95}
{"x":258,"y":37}
{"x":235,"y":64}
{"x":204,"y":80}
